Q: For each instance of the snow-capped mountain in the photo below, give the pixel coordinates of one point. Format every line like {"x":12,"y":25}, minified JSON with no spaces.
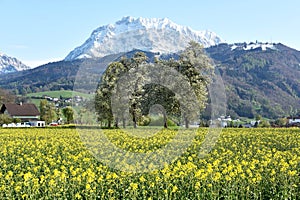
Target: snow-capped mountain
{"x":154,"y":35}
{"x":9,"y":64}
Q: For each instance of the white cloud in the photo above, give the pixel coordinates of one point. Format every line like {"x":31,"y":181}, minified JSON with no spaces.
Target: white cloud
{"x":18,"y":46}
{"x":36,"y":63}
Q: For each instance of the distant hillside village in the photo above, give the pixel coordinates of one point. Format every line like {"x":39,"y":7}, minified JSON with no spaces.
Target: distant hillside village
{"x":226,"y":121}
{"x":61,"y":101}
{"x":28,"y":115}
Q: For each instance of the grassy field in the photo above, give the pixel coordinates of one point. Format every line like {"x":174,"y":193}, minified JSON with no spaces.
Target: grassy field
{"x":58,"y":93}
{"x":56,"y":164}
{"x":55,"y":94}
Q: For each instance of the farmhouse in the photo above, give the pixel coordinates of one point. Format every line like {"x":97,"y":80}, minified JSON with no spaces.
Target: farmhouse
{"x":224,"y":120}
{"x":293,"y":120}
{"x":25,"y":112}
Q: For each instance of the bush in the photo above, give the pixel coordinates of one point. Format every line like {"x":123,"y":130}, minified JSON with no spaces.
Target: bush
{"x":281,"y":122}
{"x":5,"y":119}
{"x":16,"y":120}
{"x":144,"y":121}
{"x":160,"y":122}
{"x":171,"y":123}
{"x":264,"y":124}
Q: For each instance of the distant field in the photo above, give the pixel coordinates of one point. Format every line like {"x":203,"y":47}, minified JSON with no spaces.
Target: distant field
{"x":55,"y":94}
{"x":58,"y":93}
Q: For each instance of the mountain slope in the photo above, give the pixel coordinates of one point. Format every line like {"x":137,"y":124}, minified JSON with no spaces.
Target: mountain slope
{"x":62,"y":74}
{"x":260,"y":78}
{"x":9,"y":64}
{"x":154,"y":35}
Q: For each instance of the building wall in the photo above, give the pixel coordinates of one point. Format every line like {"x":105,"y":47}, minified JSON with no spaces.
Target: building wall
{"x":295,"y":120}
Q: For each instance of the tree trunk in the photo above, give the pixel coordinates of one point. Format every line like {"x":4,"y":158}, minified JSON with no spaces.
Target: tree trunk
{"x":165,"y":120}
{"x":134,"y":121}
{"x":124,"y":123}
{"x":134,"y":116}
{"x":186,"y":122}
{"x":109,"y":123}
{"x":117,"y":123}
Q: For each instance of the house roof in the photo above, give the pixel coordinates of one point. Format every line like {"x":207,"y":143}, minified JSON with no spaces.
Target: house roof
{"x":25,"y":109}
{"x":297,"y":117}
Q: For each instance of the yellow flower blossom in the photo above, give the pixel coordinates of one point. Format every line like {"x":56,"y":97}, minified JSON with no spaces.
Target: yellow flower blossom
{"x":78,"y":196}
{"x":142,"y":179}
{"x":174,"y":189}
{"x":217,"y":176}
{"x":56,"y":163}
{"x":134,"y":186}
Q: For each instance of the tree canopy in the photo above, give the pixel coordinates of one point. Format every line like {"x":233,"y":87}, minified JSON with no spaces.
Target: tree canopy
{"x":47,"y":110}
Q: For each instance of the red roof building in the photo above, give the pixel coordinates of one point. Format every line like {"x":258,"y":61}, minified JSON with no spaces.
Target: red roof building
{"x":22,"y":111}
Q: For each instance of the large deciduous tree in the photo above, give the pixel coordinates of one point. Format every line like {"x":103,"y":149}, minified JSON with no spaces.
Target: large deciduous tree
{"x":139,"y":97}
{"x":105,"y":89}
{"x":197,"y":67}
{"x":135,"y":99}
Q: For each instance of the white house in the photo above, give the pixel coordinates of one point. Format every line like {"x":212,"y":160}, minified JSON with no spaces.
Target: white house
{"x":293,"y":120}
{"x":38,"y":123}
{"x":224,"y":120}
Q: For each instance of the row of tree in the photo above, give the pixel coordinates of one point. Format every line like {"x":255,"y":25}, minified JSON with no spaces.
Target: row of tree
{"x":131,"y":88}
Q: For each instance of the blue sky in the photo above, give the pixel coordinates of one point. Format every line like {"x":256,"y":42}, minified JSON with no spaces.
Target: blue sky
{"x":38,"y":31}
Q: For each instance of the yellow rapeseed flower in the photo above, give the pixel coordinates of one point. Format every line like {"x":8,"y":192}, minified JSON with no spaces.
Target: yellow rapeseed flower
{"x":133,"y":186}
{"x":52,"y":182}
{"x":78,"y":196}
{"x":197,"y":185}
{"x":217,"y":176}
{"x":9,"y":175}
{"x":18,"y":188}
{"x":110,"y":191}
{"x":27,"y":176}
{"x":88,"y":187}
{"x":292,"y":172}
{"x":142,"y":179}
{"x":174,"y":189}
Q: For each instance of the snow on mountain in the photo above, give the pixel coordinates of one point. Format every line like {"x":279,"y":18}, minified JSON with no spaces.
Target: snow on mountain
{"x":154,"y":35}
{"x":9,"y":64}
{"x":252,"y":46}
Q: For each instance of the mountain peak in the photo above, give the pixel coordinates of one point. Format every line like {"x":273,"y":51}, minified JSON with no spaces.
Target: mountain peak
{"x":10,"y":64}
{"x":149,"y":34}
{"x":144,"y":21}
